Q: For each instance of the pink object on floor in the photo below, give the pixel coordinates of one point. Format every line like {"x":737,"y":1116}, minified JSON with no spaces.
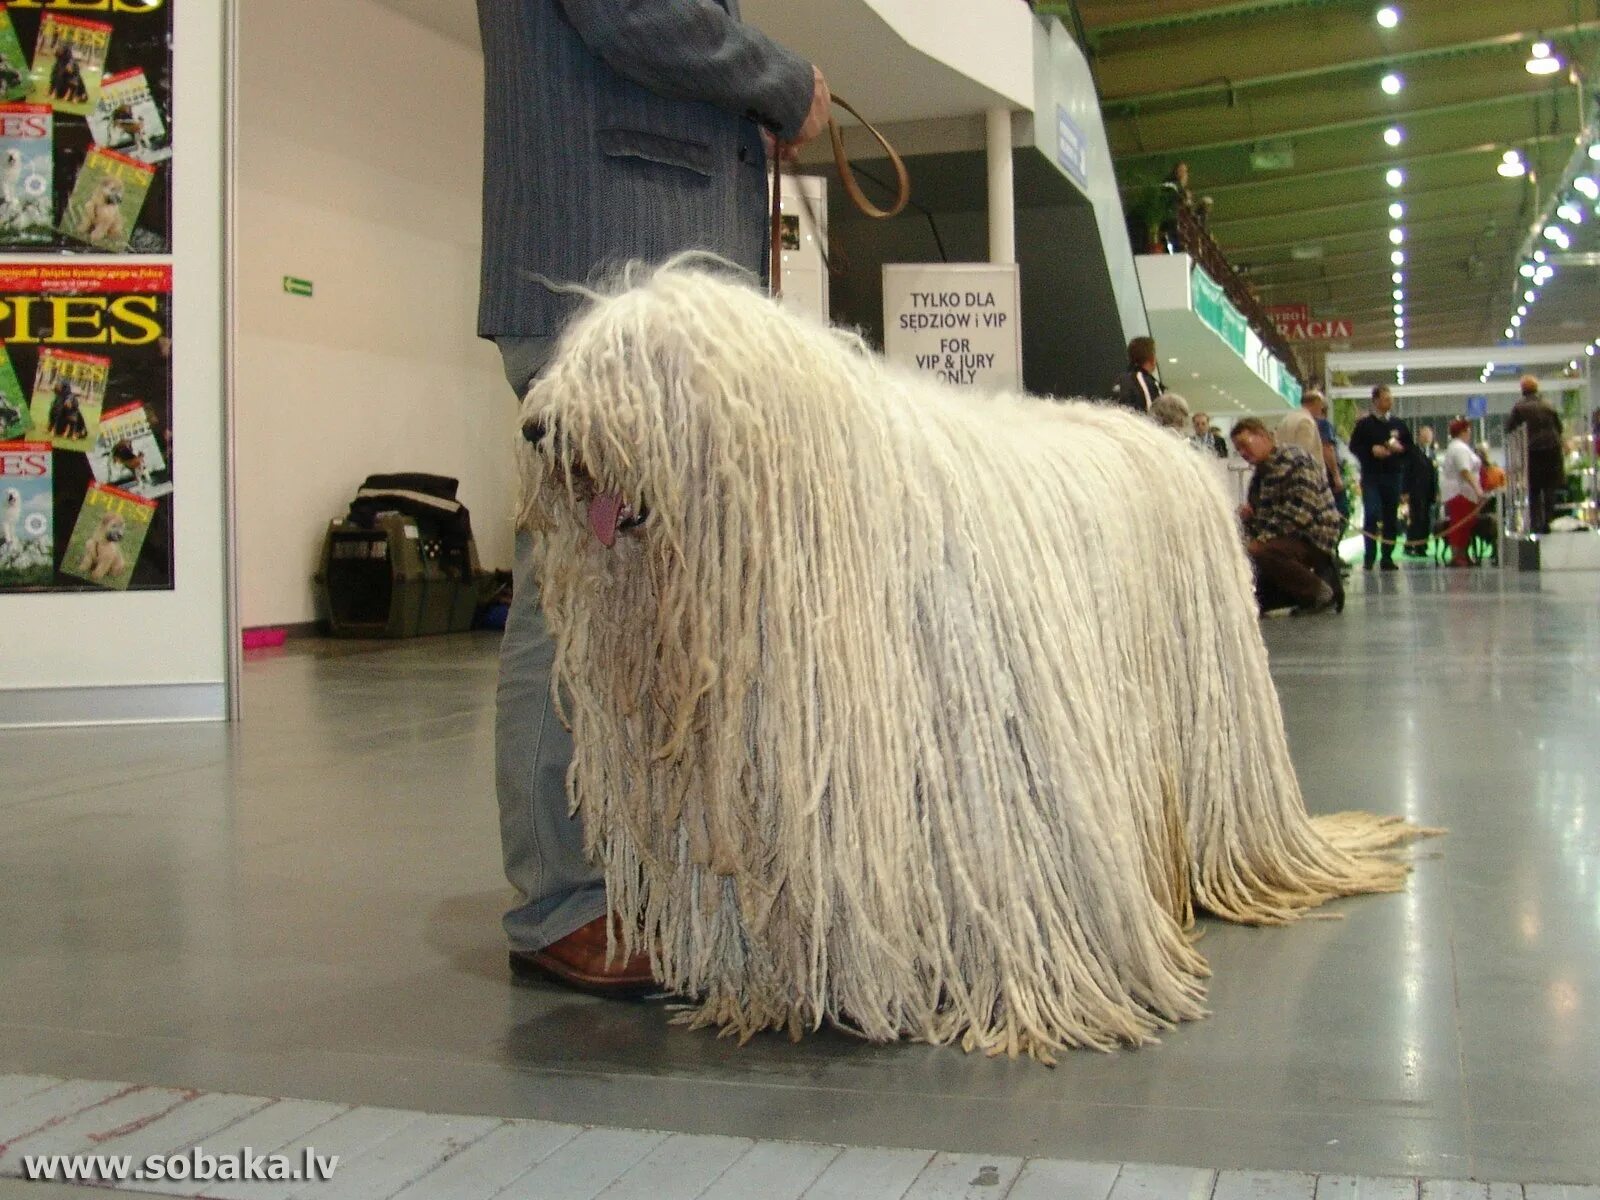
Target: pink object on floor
{"x":258,"y":639}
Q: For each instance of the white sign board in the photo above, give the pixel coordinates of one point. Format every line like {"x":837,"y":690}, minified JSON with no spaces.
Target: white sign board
{"x":960,"y":322}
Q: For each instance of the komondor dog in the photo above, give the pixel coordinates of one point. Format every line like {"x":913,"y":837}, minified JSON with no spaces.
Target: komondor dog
{"x":931,"y":714}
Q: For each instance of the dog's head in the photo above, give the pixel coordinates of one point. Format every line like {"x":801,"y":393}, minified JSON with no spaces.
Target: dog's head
{"x":13,"y":158}
{"x":110,"y":192}
{"x":112,"y":527}
{"x":660,"y":411}
{"x":13,"y":499}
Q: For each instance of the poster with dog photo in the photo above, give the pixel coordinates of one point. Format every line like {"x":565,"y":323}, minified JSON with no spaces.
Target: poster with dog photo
{"x":104,"y":206}
{"x":27,"y":512}
{"x":69,"y":391}
{"x":110,"y":533}
{"x":69,"y":58}
{"x":16,"y":77}
{"x":129,"y":120}
{"x":27,"y":172}
{"x":127,"y":454}
{"x":135,"y":119}
{"x":90,"y":344}
{"x":15,"y":417}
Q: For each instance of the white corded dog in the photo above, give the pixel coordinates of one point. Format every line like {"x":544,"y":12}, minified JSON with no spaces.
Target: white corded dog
{"x":928,"y":713}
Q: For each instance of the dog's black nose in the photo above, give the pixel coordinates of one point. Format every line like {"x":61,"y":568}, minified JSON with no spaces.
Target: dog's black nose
{"x":534,"y":431}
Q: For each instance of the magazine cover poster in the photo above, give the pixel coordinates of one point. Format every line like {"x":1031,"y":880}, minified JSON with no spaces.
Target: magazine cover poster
{"x":27,"y":174}
{"x":139,"y":44}
{"x":70,"y":329}
{"x":128,"y":120}
{"x":15,"y":417}
{"x":108,"y":537}
{"x":69,"y":58}
{"x":27,"y":515}
{"x":69,"y":391}
{"x":16,"y":76}
{"x":104,"y":207}
{"x":127,"y":454}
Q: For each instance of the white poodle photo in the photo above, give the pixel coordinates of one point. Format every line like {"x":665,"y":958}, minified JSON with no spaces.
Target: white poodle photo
{"x":11,"y":518}
{"x":10,"y":181}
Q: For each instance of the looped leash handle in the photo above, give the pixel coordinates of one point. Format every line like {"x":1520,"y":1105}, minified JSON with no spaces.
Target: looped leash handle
{"x":852,"y":189}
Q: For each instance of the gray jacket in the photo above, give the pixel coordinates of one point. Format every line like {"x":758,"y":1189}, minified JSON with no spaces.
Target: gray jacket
{"x":618,"y":130}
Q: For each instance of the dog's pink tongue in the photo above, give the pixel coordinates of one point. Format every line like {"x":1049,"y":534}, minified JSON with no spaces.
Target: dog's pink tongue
{"x":604,"y":512}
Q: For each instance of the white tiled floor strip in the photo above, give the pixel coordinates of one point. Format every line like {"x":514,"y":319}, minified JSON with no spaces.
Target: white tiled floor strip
{"x":386,"y":1153}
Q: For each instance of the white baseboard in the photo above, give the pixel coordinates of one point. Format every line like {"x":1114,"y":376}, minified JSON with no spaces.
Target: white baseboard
{"x":117,"y":705}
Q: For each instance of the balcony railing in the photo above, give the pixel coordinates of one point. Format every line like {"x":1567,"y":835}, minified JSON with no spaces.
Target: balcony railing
{"x":1196,"y":241}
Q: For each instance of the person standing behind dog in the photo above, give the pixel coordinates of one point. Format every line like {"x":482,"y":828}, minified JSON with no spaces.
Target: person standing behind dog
{"x":1380,"y":443}
{"x":614,"y":131}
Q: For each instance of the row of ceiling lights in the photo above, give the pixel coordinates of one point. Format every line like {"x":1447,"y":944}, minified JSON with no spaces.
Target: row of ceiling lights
{"x":1538,"y":271}
{"x":1542,"y":61}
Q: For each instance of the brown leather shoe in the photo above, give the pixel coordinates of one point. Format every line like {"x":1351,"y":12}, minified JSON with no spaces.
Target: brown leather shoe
{"x":578,"y":961}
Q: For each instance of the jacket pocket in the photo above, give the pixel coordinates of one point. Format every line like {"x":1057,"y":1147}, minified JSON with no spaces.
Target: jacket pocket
{"x":657,"y":148}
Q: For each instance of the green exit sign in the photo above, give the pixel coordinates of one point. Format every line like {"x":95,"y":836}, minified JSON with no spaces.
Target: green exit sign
{"x":296,"y":287}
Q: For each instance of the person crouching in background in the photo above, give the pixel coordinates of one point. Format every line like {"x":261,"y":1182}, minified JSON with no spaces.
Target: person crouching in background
{"x":1290,"y":523}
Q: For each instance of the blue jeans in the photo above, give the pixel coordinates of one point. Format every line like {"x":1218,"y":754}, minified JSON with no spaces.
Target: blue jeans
{"x":540,"y":841}
{"x":1380,"y":506}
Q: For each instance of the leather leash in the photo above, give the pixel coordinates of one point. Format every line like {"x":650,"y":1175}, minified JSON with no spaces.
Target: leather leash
{"x":852,"y":189}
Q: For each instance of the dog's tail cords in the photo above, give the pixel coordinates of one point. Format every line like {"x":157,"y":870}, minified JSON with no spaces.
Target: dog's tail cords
{"x":847,"y":177}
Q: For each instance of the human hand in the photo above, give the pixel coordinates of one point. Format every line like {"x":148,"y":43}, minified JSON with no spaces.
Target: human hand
{"x":1380,"y":452}
{"x":817,"y":119}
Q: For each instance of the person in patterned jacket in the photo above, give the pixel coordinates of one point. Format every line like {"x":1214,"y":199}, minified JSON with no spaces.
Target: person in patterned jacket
{"x":1291,"y":525}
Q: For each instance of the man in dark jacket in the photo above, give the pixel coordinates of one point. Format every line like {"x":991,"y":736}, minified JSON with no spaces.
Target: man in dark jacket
{"x":1547,"y":475}
{"x":614,"y":130}
{"x":1380,"y":443}
{"x":1422,"y":492}
{"x":1139,"y":387}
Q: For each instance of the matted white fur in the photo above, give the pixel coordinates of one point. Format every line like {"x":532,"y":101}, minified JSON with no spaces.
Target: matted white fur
{"x":928,"y":713}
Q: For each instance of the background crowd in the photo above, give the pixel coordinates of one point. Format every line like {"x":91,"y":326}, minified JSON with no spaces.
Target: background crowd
{"x":1417,"y":498}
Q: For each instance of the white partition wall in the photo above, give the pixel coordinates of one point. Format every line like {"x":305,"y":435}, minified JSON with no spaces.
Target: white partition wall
{"x":157,"y":655}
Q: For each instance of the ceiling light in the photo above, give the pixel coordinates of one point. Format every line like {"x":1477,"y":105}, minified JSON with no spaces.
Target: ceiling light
{"x":1573,"y":365}
{"x":1510,"y":333}
{"x":1399,"y":309}
{"x":1553,"y":233}
{"x":1587,"y":186}
{"x":1511,"y":166}
{"x":1397,"y":236}
{"x":1530,"y":297}
{"x":1589,"y":349}
{"x":1399,"y":343}
{"x":1398,"y":277}
{"x":1526,"y":270}
{"x":1543,"y":61}
{"x":1388,"y":16}
{"x":1398,"y":258}
{"x":1568,"y":212}
{"x":1399,"y":295}
{"x":1516,"y":322}
{"x":1394,"y":135}
{"x":1395,"y":177}
{"x":1522,"y":310}
{"x":1392,"y":84}
{"x":1396,"y":211}
{"x":1538,"y":256}
{"x":1594,"y":152}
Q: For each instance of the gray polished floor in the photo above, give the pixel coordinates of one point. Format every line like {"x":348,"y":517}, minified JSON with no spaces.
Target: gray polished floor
{"x":307,"y":906}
